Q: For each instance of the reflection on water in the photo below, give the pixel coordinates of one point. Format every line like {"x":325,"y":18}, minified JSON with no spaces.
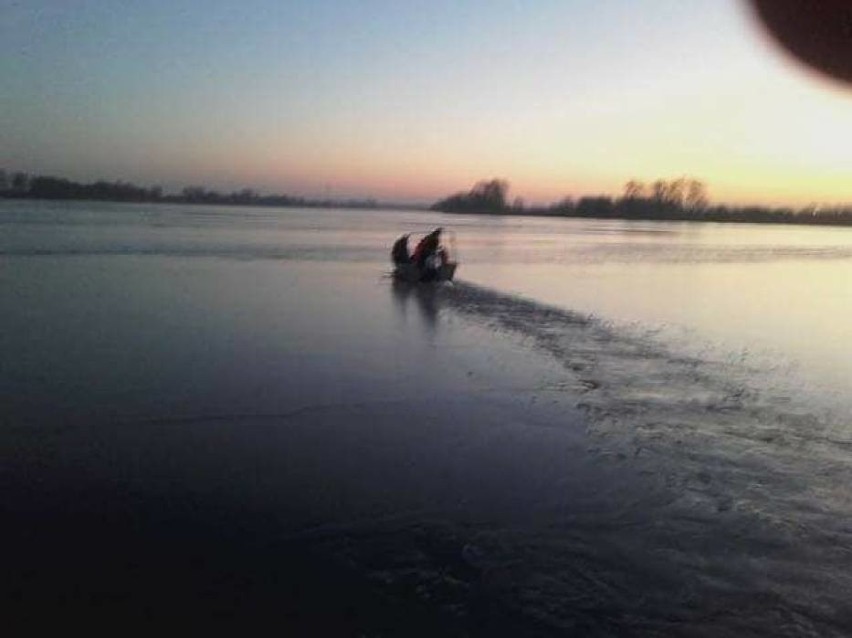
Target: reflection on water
{"x":423,"y":296}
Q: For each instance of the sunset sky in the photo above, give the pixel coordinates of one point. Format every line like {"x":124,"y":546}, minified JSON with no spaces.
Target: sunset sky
{"x":409,"y":101}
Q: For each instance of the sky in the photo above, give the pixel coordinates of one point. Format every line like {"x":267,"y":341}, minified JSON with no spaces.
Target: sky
{"x":410,"y":101}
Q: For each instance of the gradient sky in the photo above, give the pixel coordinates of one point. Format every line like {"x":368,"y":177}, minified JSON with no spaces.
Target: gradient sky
{"x":409,"y":101}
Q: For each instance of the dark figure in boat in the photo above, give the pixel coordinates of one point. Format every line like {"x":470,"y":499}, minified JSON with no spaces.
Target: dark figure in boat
{"x":427,"y":248}
{"x":429,"y":261}
{"x":399,"y":252}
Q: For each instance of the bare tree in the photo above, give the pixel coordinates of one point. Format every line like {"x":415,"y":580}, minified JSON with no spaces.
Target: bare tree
{"x":492,"y":192}
{"x":676,"y":192}
{"x":696,"y":196}
{"x":634,"y":189}
{"x":658,"y":191}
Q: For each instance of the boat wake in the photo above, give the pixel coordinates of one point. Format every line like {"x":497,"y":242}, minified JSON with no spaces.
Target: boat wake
{"x":737,"y":523}
{"x":697,"y":416}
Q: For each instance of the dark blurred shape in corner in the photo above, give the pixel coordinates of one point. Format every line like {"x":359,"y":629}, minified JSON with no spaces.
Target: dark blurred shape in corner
{"x":816,"y":32}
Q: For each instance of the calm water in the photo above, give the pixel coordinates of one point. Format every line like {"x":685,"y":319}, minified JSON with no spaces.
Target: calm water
{"x":772,"y":297}
{"x":633,"y":428}
{"x":777,"y":299}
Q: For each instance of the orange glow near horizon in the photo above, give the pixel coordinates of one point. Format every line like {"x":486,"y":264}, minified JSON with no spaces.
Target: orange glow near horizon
{"x":560,"y":99}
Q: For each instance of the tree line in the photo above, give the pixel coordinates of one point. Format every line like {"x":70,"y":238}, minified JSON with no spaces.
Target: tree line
{"x":679,"y":199}
{"x":22,"y":185}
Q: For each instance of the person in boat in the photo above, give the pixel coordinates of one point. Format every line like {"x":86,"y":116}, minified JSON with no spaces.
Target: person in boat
{"x":399,"y":252}
{"x":427,"y":247}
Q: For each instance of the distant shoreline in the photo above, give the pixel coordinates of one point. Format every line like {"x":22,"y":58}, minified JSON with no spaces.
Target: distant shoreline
{"x":799,"y":219}
{"x":20,"y":185}
{"x":679,"y":200}
{"x":262,"y":202}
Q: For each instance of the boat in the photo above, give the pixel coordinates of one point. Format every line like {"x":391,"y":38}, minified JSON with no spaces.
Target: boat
{"x":413,"y":274}
{"x":436,"y":267}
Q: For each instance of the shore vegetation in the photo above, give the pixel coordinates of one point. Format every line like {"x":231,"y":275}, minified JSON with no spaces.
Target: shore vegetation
{"x":24,"y":186}
{"x":679,"y":199}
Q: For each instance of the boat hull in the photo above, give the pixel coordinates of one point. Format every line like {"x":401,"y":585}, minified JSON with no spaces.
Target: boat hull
{"x":412,"y":274}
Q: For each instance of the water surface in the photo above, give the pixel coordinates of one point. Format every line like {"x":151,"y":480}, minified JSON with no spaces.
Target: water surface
{"x":607,"y":427}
